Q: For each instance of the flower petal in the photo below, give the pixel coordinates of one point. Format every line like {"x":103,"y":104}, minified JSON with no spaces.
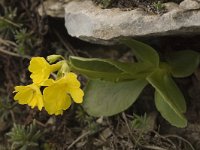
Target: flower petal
{"x":55,"y":99}
{"x":47,"y":82}
{"x":40,"y":69}
{"x":19,"y":88}
{"x":33,"y":102}
{"x":76,"y":94}
{"x":36,"y":101}
{"x":71,"y":80}
{"x":24,"y":95}
{"x":37,"y":63}
{"x":30,"y":95}
{"x":39,"y":77}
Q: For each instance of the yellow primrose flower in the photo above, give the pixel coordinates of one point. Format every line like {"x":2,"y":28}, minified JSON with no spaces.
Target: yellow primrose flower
{"x":57,"y":97}
{"x":30,"y":95}
{"x":41,"y":69}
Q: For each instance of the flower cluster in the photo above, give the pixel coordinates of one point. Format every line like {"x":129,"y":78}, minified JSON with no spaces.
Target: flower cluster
{"x":57,"y":94}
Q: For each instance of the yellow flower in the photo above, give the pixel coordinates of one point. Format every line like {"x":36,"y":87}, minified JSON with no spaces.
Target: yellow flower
{"x":57,"y":94}
{"x":41,"y":69}
{"x":57,"y":97}
{"x":30,"y":95}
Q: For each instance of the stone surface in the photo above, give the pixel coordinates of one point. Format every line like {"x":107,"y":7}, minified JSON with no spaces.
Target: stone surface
{"x":190,"y":5}
{"x":53,"y":8}
{"x":171,"y":6}
{"x":89,"y":22}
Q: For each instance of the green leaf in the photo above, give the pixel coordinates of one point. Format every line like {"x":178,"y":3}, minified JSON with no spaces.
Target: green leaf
{"x":137,"y":70}
{"x":107,"y":69}
{"x":183,"y":63}
{"x":168,"y":90}
{"x":104,"y":98}
{"x":168,"y":113}
{"x":96,"y":68}
{"x":143,"y":52}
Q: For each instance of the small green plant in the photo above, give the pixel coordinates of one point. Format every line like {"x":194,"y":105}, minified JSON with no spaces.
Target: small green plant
{"x":24,"y":138}
{"x":23,"y":39}
{"x":87,"y":120}
{"x":5,"y":107}
{"x":114,"y":86}
{"x":83,"y":117}
{"x":139,"y":122}
{"x":7,"y":26}
{"x":105,"y":3}
{"x":158,"y":6}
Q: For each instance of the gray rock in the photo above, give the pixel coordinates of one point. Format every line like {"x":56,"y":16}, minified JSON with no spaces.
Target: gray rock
{"x":89,"y":22}
{"x":86,"y":21}
{"x":190,"y":5}
{"x":170,"y":6}
{"x":53,"y":8}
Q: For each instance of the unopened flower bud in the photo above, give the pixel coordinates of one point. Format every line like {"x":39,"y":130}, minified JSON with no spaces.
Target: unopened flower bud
{"x":53,"y":58}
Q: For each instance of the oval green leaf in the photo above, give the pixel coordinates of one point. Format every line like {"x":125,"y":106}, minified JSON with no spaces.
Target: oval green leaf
{"x":96,"y":68}
{"x":183,"y":63}
{"x":168,"y":90}
{"x":137,"y":70}
{"x":104,"y":98}
{"x":143,"y":52}
{"x":168,"y":113}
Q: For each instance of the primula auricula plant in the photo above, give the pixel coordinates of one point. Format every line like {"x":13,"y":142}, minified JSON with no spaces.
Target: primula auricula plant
{"x":57,"y":92}
{"x":113,"y":86}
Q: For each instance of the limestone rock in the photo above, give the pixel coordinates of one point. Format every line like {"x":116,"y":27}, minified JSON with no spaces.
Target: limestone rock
{"x":53,"y":8}
{"x":86,"y":21}
{"x":190,"y":4}
{"x":89,"y":22}
{"x":170,"y":6}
